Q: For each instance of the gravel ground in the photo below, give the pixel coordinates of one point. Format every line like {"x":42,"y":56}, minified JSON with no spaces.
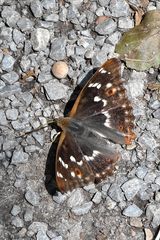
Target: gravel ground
{"x":33,"y":36}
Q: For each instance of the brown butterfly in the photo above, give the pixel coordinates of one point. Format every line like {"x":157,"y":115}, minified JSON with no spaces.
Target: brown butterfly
{"x":101,"y":112}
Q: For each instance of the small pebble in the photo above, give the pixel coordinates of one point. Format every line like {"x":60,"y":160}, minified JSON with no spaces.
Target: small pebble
{"x":32,"y":197}
{"x":15,"y":210}
{"x":132,"y":211}
{"x":149,"y":234}
{"x":60,"y":69}
{"x":97,"y":198}
{"x":83,"y":209}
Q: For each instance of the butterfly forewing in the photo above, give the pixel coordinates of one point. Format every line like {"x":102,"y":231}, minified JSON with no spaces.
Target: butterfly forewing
{"x":103,"y":104}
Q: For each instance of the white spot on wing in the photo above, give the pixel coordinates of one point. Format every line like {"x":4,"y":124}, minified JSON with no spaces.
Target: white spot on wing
{"x":107,"y":123}
{"x":89,"y":158}
{"x":73,"y":174}
{"x":65,"y":165}
{"x":106,"y":114}
{"x":59,"y":175}
{"x":97,"y":99}
{"x":95,"y":153}
{"x":104,"y":102}
{"x":102,"y":70}
{"x":108,"y":85}
{"x":99,"y":86}
{"x":72,"y":159}
{"x":80,"y":163}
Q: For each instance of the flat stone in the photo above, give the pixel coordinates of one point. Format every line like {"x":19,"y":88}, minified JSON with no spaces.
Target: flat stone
{"x":52,"y":17}
{"x":25,"y":24}
{"x":136,"y":84}
{"x":132,"y":211}
{"x":32,"y":197}
{"x":36,"y":8}
{"x":157,"y":197}
{"x":83,"y":209}
{"x":19,"y":157}
{"x":2,"y":84}
{"x":99,"y":58}
{"x":37,"y":226}
{"x":76,"y":198}
{"x":153,"y":125}
{"x":58,"y":49}
{"x":148,"y":234}
{"x":3,"y":119}
{"x":136,"y":222}
{"x":8,"y":63}
{"x":119,"y":8}
{"x":153,"y":214}
{"x":110,"y":204}
{"x":6,"y":34}
{"x":19,"y":124}
{"x":44,"y":77}
{"x":39,"y":138}
{"x":40,"y":38}
{"x":131,"y":188}
{"x":28,"y":215}
{"x":10,"y":15}
{"x":41,"y":235}
{"x":125,"y":23}
{"x":11,"y":114}
{"x":157,"y":180}
{"x":141,"y":172}
{"x":105,"y":187}
{"x":116,"y":193}
{"x":114,"y":37}
{"x":18,"y":37}
{"x":9,"y":144}
{"x":86,"y":42}
{"x":97,"y":197}
{"x":147,"y":141}
{"x":17,"y":222}
{"x":75,"y":231}
{"x":55,"y":90}
{"x":59,"y":198}
{"x":156,"y":114}
{"x":27,"y":98}
{"x":106,"y":27}
{"x":10,"y":77}
{"x":104,"y":3}
{"x":15,"y":210}
{"x":150,"y":177}
{"x":155,"y":105}
{"x":49,"y":4}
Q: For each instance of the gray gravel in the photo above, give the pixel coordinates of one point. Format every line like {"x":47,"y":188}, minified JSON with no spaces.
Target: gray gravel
{"x":33,"y":36}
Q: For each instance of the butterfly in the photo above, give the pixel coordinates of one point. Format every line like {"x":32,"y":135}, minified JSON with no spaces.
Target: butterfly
{"x":100,"y":113}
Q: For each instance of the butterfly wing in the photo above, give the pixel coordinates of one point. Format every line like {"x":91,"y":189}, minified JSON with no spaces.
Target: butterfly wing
{"x":103,"y":104}
{"x":72,"y":170}
{"x":83,"y":160}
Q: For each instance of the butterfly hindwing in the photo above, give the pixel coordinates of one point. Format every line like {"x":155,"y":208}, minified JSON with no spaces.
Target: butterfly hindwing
{"x":72,"y":170}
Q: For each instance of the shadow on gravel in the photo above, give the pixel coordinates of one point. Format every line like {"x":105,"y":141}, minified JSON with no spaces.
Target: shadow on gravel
{"x":50,"y":171}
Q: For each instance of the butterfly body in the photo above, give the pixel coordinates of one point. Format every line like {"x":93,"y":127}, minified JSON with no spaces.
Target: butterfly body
{"x":101,"y":112}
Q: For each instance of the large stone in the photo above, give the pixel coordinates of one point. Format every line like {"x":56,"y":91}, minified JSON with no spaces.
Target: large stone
{"x":40,"y":38}
{"x":58,"y":49}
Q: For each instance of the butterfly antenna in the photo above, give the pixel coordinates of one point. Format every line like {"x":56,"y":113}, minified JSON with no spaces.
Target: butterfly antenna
{"x":49,"y":122}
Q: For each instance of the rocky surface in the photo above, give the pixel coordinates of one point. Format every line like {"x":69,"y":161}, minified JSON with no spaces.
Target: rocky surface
{"x":33,"y":36}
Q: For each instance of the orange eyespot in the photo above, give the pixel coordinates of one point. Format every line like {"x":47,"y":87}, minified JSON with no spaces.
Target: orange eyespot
{"x":78,"y":173}
{"x":111,"y":91}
